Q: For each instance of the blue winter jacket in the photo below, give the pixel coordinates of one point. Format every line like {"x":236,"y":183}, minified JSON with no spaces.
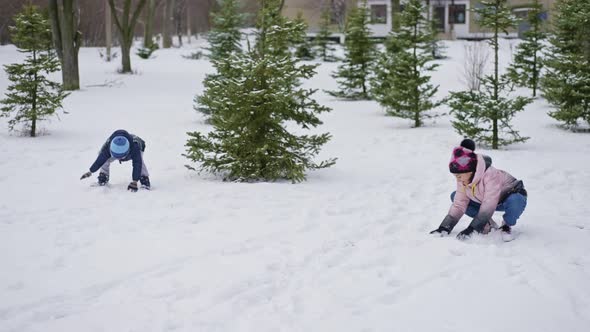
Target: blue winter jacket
{"x":137,"y":146}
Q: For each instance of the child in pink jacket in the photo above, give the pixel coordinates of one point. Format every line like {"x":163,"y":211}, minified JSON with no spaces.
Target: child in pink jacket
{"x":481,"y":190}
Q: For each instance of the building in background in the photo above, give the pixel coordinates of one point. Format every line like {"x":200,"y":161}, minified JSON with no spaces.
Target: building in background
{"x":454,"y":20}
{"x":453,"y":17}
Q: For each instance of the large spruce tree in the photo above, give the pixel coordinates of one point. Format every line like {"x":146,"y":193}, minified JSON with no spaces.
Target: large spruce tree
{"x":566,"y":84}
{"x":250,"y":140}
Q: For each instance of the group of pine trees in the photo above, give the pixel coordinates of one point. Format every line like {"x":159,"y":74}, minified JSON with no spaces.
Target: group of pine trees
{"x":396,"y":77}
{"x":256,"y":89}
{"x":401,"y":84}
{"x":246,"y":141}
{"x":400,"y":80}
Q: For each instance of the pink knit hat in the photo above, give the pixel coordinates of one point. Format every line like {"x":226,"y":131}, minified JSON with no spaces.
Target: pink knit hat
{"x":463,"y":159}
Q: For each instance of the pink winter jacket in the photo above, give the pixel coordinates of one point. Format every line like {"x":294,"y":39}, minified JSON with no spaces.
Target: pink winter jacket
{"x":487,"y":188}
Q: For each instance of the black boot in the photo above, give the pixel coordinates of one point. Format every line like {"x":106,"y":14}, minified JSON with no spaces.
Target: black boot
{"x":103,"y":179}
{"x":145,"y":182}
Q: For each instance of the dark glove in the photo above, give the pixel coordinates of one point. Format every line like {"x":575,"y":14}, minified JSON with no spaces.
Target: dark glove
{"x":440,"y":231}
{"x":466,"y":233}
{"x":85,"y":175}
{"x":132,"y":186}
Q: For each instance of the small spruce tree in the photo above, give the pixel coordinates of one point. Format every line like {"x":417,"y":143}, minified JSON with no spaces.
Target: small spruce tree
{"x":401,"y":83}
{"x":323,"y":43}
{"x":303,"y":49}
{"x":147,"y":51}
{"x":437,"y":47}
{"x":566,"y":83}
{"x":250,"y":140}
{"x":526,"y":68}
{"x":485,"y":114}
{"x":32,"y":97}
{"x":354,"y":73}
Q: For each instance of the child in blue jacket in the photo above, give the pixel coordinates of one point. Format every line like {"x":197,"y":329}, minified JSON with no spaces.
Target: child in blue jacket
{"x":121,"y":146}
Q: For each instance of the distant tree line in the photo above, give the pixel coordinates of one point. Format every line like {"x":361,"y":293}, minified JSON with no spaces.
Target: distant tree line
{"x":92,"y":22}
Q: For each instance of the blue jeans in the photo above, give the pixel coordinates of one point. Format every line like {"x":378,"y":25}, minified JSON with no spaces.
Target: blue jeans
{"x":513,"y":206}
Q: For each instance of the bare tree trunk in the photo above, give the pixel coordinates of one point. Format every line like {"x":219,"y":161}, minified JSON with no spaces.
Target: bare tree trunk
{"x":178,"y":16}
{"x":55,"y":27}
{"x":339,"y":13}
{"x":148,"y":33}
{"x":167,"y":23}
{"x":66,"y":39}
{"x":108,"y":28}
{"x":34,"y":101}
{"x":126,"y":56}
{"x":126,"y":25}
{"x":188,"y":22}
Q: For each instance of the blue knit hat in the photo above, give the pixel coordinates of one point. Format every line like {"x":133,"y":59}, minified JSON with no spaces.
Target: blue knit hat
{"x":119,"y":147}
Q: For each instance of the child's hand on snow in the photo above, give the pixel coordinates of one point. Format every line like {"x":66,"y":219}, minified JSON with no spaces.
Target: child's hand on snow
{"x":86,"y":175}
{"x":465,"y":234}
{"x":440,"y":231}
{"x":132,"y":186}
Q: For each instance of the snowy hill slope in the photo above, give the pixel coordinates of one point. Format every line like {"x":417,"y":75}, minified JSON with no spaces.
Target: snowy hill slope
{"x":348,"y":250}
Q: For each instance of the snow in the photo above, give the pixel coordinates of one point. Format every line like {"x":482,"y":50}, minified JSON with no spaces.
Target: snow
{"x":347,"y":250}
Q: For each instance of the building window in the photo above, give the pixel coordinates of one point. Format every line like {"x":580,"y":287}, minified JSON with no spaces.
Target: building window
{"x":439,"y":18}
{"x":521,"y":13}
{"x":457,"y":14}
{"x":378,"y":14}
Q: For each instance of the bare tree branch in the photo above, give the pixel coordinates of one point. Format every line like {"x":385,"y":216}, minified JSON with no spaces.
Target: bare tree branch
{"x":114,"y":13}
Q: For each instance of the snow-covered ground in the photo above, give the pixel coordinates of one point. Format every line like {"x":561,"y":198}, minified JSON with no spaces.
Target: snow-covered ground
{"x":348,"y":250}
